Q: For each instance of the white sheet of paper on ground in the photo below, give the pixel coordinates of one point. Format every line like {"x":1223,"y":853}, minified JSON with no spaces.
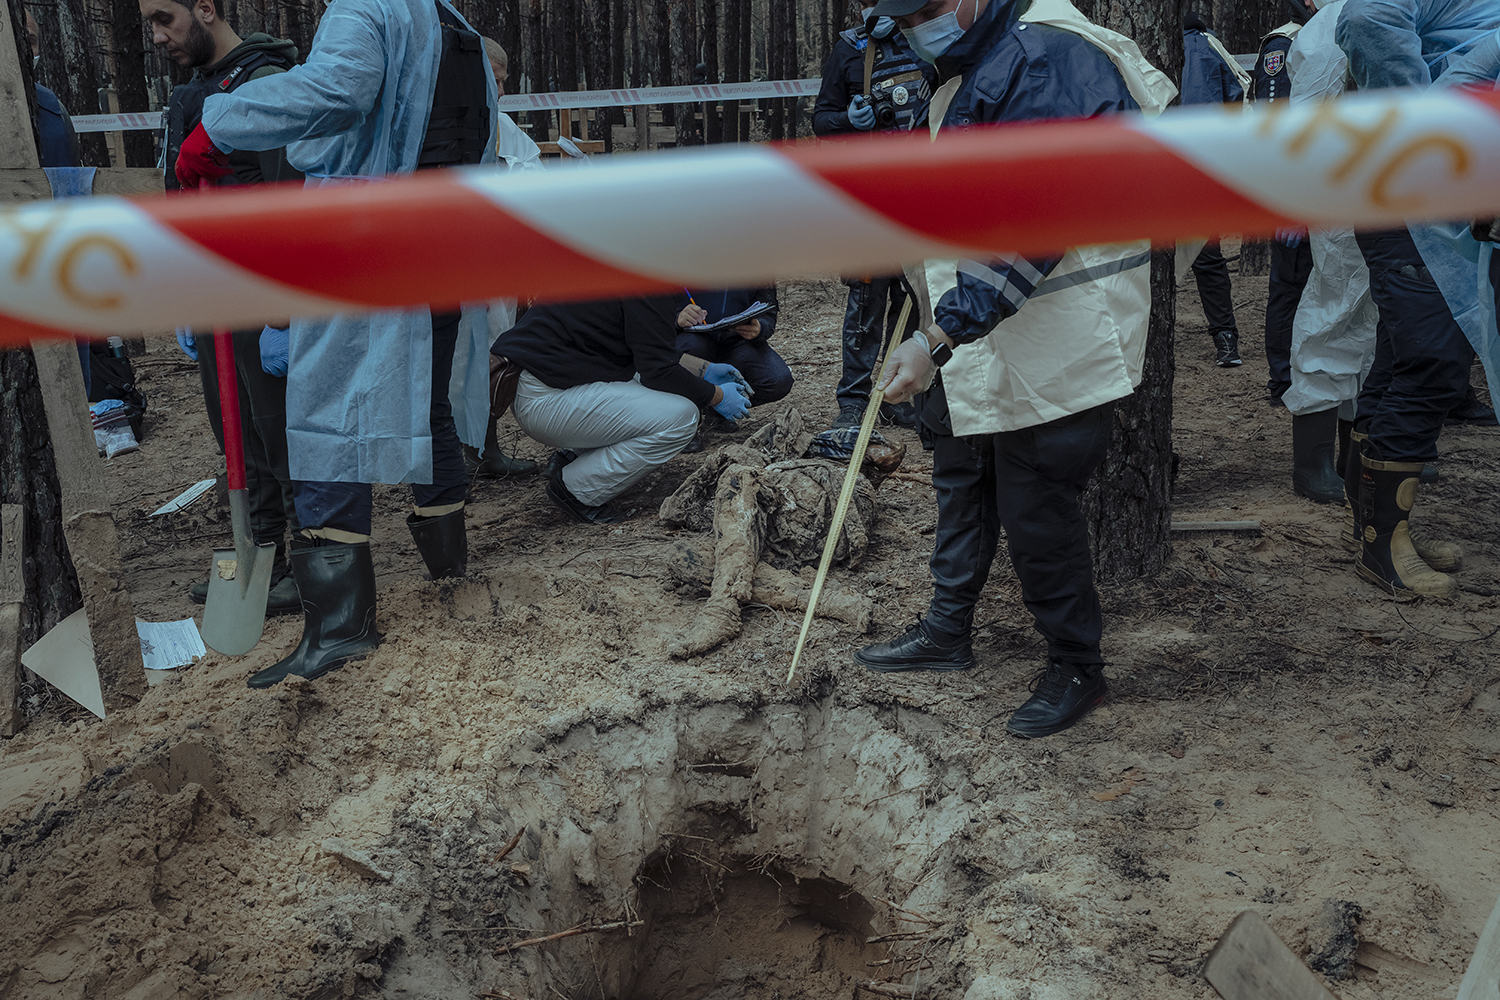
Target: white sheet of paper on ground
{"x":184,"y":498}
{"x":169,"y":645}
{"x":65,"y":655}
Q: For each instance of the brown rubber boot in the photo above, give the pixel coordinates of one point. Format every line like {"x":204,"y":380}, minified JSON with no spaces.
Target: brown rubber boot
{"x":1387,"y":558}
{"x":1441,"y":555}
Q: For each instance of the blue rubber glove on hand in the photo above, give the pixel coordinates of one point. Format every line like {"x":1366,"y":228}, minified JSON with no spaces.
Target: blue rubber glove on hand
{"x":275,"y":351}
{"x":1290,"y":237}
{"x":185,"y":341}
{"x":861,"y":115}
{"x":722,"y":374}
{"x":735,"y":403}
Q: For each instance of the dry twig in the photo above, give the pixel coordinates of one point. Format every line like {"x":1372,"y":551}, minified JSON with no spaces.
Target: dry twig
{"x":880,"y":989}
{"x":571,"y":932}
{"x":510,"y":845}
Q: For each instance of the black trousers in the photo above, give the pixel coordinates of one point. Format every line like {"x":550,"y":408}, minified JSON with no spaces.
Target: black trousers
{"x":1290,"y":269}
{"x":348,"y":506}
{"x":870,"y":316}
{"x":1422,"y":358}
{"x":1212,"y":275}
{"x":263,"y":427}
{"x":1030,"y":482}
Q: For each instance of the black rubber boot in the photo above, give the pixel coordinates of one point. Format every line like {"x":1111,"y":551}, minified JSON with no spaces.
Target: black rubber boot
{"x":1387,"y":558}
{"x":337,"y":583}
{"x":443,"y":542}
{"x":283,"y":598}
{"x":1341,"y":460}
{"x":1313,"y":437}
{"x":915,"y":649}
{"x":1064,"y":694}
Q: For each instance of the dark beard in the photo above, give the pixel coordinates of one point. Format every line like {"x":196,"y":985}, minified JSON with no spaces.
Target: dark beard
{"x":198,"y":47}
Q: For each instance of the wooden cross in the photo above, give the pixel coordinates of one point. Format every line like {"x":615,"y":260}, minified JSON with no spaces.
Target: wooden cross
{"x":88,"y":518}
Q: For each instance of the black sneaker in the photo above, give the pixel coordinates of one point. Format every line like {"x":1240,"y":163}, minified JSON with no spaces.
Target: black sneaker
{"x":849,"y":416}
{"x":1063,"y":694}
{"x":557,"y":461}
{"x":914,"y":649}
{"x":1227,"y":349}
{"x":1275,"y":390}
{"x":898,"y":414}
{"x":558,"y":493}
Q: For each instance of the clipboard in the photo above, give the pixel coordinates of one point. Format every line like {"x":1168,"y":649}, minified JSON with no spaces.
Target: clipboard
{"x":755,"y":311}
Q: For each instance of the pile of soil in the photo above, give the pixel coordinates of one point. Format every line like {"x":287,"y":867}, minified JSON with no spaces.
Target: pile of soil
{"x":1280,"y":736}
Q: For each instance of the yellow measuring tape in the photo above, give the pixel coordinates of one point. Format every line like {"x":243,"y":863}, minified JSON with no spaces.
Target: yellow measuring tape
{"x":866,"y":428}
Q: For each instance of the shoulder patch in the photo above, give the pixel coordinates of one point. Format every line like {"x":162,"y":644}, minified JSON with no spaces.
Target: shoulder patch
{"x":1275,"y":61}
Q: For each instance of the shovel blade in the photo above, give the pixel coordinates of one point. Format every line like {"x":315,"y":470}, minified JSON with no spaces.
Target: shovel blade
{"x":235,"y":613}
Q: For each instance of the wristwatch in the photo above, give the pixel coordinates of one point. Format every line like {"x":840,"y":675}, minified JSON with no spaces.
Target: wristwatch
{"x":940,"y":355}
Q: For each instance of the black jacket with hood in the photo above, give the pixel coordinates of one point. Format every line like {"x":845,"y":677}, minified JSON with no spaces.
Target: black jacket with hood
{"x":257,"y":56}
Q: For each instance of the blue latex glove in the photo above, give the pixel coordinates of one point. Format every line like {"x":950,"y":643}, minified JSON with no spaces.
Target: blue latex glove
{"x":185,"y":342}
{"x":722,"y":374}
{"x":861,"y":115}
{"x":1291,"y":237}
{"x":735,"y":403}
{"x":275,"y":351}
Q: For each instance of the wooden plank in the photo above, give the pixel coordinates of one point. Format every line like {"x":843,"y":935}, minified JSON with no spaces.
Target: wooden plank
{"x":590,"y":146}
{"x":12,"y":547}
{"x":1251,"y":963}
{"x":31,"y":185}
{"x":89,"y":524}
{"x":1216,"y":526}
{"x":1482,"y":980}
{"x":12,"y":596}
{"x":17,"y":141}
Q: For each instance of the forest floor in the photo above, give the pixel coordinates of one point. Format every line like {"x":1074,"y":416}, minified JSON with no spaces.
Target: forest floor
{"x":1279,"y":736}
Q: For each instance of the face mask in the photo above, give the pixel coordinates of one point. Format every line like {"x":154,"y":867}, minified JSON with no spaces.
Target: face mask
{"x":884,"y":27}
{"x":931,"y":39}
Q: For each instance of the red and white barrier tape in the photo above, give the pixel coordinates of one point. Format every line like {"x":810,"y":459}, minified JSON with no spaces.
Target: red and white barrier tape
{"x":154,"y":121}
{"x":512,"y":103}
{"x":741,"y":215}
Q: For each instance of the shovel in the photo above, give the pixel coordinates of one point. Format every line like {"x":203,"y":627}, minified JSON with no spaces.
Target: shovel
{"x":239,"y":578}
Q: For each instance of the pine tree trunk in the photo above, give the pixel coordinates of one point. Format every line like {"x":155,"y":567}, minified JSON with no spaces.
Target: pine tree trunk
{"x":775,"y":106}
{"x":1128,"y":505}
{"x":68,"y":69}
{"x":734,"y":15}
{"x":28,"y":477}
{"x":130,"y":79}
{"x":713,"y":125}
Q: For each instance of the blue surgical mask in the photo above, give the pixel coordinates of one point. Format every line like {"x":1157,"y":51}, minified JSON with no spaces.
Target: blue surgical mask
{"x":931,"y":39}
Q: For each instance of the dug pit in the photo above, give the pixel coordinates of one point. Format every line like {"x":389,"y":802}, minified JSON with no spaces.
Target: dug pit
{"x":782,"y":850}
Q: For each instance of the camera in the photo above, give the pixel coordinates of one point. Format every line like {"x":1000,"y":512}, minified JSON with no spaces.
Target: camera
{"x":891,"y":96}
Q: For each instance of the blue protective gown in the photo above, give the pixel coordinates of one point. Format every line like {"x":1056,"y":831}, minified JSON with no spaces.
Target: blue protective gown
{"x":1410,"y":43}
{"x":358,"y":386}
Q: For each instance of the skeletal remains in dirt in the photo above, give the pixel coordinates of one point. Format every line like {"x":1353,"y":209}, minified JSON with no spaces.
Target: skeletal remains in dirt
{"x":765,"y":501}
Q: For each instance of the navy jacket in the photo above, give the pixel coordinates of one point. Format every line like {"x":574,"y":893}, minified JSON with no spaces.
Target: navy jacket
{"x":1013,"y":72}
{"x":721,"y":302}
{"x":55,"y":129}
{"x":844,"y":76}
{"x":1205,"y":77}
{"x":1272,"y":81}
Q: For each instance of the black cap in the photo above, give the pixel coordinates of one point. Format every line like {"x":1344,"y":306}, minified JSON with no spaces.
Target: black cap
{"x":898,"y":8}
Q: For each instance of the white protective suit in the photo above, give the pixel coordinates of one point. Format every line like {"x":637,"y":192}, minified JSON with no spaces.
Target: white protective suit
{"x":359,"y":386}
{"x":1333,"y":334}
{"x":471,"y":371}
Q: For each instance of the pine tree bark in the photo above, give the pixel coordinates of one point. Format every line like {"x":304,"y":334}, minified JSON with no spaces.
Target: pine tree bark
{"x":68,"y":68}
{"x":713,"y":125}
{"x":734,"y":15}
{"x":1128,"y":505}
{"x":28,"y":477}
{"x":130,"y":78}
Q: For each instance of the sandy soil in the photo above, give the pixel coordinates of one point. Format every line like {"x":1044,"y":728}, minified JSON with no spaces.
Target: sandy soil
{"x":1279,"y":737}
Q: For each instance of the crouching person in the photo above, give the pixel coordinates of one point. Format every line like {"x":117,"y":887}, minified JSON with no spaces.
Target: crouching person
{"x":602,"y":383}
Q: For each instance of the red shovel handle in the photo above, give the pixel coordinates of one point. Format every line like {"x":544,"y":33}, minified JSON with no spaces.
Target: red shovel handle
{"x":229,"y":409}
